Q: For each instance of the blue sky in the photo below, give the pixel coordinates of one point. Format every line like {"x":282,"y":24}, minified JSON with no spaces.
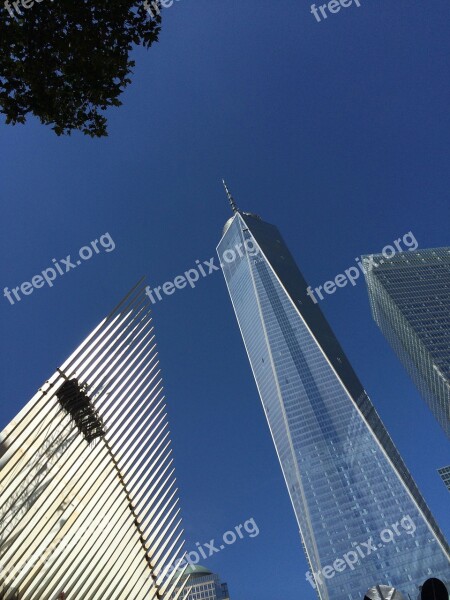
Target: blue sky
{"x":337,"y":132}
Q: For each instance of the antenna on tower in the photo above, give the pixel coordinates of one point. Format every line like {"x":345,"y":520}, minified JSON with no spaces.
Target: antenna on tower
{"x":234,"y":208}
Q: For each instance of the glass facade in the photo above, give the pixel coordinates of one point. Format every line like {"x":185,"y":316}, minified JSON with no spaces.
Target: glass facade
{"x":202,"y":584}
{"x":444,"y":472}
{"x":361,"y":517}
{"x":410,"y":300}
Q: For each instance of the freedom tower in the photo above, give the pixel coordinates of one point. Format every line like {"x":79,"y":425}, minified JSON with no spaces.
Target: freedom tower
{"x":362,"y":519}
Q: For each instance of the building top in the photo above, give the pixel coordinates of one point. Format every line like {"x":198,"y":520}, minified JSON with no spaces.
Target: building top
{"x":227,"y":225}
{"x":412,"y":258}
{"x":197,"y":570}
{"x":233,"y":205}
{"x":235,"y":209}
{"x":444,"y":472}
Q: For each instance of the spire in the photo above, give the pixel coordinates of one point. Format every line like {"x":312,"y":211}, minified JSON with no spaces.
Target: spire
{"x":234,"y":208}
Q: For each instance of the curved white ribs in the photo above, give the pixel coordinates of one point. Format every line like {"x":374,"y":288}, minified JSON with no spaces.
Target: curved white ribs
{"x":100,"y":520}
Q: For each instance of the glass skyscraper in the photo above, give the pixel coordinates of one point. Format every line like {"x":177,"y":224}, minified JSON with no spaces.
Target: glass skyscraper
{"x":361,"y":517}
{"x":444,"y":472}
{"x":410,"y":300}
{"x":201,"y":584}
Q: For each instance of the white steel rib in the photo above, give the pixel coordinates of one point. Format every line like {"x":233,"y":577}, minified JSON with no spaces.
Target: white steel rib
{"x":88,"y":501}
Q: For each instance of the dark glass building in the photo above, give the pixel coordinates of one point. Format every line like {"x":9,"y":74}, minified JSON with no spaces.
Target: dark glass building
{"x":444,"y":472}
{"x":410,"y":301}
{"x":361,"y":517}
{"x":201,"y":584}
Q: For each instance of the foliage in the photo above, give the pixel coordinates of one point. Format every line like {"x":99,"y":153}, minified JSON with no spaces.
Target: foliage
{"x":67,"y":61}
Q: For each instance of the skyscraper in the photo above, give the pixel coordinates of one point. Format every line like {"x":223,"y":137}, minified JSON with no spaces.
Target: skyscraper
{"x":410,"y":300}
{"x":88,"y":502}
{"x":361,"y":517}
{"x":444,"y":472}
{"x":202,"y":584}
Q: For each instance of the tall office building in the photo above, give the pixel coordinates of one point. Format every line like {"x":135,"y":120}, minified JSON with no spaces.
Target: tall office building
{"x":410,"y":300}
{"x":444,"y":472}
{"x":361,"y":517}
{"x":88,"y":501}
{"x":202,"y":584}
